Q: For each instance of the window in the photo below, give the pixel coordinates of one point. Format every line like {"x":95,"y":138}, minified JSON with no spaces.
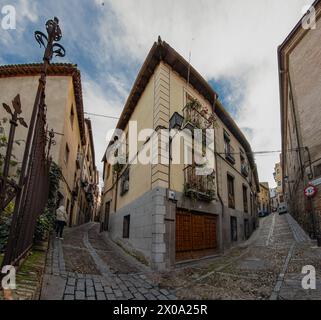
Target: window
{"x":126,"y":227}
{"x":230,"y":191}
{"x":244,"y":167}
{"x":67,"y":152}
{"x":227,"y":141}
{"x":233,"y":229}
{"x":189,"y":98}
{"x":124,"y":187}
{"x":72,"y":117}
{"x":317,"y":171}
{"x":228,"y":149}
{"x":78,"y":159}
{"x":245,"y":203}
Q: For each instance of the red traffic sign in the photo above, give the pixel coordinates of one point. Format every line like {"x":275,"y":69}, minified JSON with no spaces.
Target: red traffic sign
{"x":310,"y":191}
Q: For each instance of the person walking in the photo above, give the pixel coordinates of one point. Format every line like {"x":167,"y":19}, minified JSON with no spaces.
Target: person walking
{"x":61,"y":221}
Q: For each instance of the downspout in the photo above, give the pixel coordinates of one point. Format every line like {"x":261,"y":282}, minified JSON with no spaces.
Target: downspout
{"x":116,"y":192}
{"x":169,"y":163}
{"x":311,"y":175}
{"x":296,"y":125}
{"x":218,"y":191}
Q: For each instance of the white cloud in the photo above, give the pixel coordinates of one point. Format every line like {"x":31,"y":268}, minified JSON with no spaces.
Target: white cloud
{"x":99,"y":102}
{"x":235,"y":38}
{"x":26,"y":12}
{"x":27,"y":9}
{"x":229,"y":39}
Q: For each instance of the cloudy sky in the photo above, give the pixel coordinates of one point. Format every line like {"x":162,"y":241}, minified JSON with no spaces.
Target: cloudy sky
{"x":233,"y":44}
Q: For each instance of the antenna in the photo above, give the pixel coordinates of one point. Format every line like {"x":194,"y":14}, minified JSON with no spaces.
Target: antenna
{"x":189,"y":64}
{"x":189,"y":67}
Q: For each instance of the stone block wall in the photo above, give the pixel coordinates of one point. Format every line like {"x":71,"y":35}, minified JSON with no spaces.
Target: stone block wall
{"x":147,"y":227}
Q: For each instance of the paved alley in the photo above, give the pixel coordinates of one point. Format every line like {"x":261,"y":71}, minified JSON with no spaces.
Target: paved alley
{"x":267,"y":267}
{"x":84,"y":266}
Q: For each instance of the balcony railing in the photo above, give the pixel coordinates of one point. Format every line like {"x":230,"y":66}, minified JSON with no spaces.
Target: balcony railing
{"x":229,"y":154}
{"x":245,"y":169}
{"x":197,"y":115}
{"x":197,"y":186}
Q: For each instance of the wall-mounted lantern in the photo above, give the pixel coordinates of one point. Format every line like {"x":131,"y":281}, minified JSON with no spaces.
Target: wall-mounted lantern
{"x":176,"y":121}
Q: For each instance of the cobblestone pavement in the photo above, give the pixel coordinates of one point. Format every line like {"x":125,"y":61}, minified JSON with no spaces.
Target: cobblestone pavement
{"x":85,"y":267}
{"x":268,"y":266}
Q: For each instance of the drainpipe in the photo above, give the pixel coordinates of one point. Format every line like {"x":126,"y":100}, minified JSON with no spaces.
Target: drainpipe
{"x":310,"y":176}
{"x":316,"y":223}
{"x":316,"y":226}
{"x":218,"y":192}
{"x":116,"y":192}
{"x":296,"y":124}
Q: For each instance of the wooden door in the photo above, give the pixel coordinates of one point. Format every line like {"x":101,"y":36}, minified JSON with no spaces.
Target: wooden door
{"x":195,"y":235}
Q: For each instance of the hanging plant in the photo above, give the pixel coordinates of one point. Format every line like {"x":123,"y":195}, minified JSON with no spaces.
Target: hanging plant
{"x":193,"y":104}
{"x":118,"y":167}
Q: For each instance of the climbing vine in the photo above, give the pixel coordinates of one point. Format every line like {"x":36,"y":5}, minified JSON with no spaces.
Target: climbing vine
{"x":6,"y":215}
{"x":46,"y":221}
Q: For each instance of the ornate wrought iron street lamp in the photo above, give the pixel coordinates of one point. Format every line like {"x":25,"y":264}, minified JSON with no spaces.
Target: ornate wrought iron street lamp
{"x":27,"y":189}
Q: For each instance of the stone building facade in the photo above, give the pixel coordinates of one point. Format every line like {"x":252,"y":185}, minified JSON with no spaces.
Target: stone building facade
{"x":65,"y":115}
{"x":264,"y":198}
{"x":163,"y":212}
{"x":87,"y":180}
{"x":300,"y":98}
{"x":278,"y":178}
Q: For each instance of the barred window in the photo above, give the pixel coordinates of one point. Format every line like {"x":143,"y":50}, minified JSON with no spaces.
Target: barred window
{"x":124,"y":181}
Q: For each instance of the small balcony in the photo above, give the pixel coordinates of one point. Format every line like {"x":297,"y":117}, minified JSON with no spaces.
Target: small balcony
{"x":198,"y":116}
{"x":229,"y":154}
{"x":245,"y":169}
{"x":201,"y":187}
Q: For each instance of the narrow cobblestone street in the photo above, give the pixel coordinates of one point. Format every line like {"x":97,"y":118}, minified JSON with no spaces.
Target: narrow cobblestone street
{"x":84,"y":266}
{"x":267,"y":266}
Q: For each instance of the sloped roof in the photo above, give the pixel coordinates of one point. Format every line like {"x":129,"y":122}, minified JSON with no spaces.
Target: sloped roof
{"x":55,"y":69}
{"x":161,"y":51}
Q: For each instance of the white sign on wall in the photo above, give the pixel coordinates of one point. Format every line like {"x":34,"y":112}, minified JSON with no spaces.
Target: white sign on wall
{"x":316,"y":182}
